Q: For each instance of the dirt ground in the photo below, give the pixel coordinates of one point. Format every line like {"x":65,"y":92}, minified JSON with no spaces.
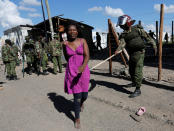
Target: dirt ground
{"x":38,"y":103}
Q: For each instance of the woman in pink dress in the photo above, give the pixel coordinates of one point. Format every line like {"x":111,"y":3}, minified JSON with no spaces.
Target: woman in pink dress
{"x":77,"y":73}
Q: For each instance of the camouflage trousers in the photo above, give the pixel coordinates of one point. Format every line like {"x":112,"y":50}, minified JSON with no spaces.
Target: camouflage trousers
{"x":10,"y":67}
{"x":136,"y":64}
{"x":44,"y":61}
{"x":57,"y":62}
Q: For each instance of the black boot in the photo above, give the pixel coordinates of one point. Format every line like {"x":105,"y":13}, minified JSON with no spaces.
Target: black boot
{"x":136,"y":93}
{"x":8,"y":77}
{"x":130,"y":85}
{"x":11,"y":77}
{"x":15,"y":77}
{"x":45,"y":72}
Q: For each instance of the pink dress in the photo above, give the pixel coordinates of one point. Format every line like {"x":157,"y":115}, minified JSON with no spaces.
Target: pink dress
{"x":74,"y":82}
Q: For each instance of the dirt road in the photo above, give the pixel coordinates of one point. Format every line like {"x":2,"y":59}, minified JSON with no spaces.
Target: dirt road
{"x":38,"y":103}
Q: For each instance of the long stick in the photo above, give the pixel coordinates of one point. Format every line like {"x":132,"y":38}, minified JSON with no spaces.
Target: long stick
{"x":105,"y":60}
{"x":102,"y":62}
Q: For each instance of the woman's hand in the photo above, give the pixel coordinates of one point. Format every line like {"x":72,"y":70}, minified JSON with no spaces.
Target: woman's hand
{"x":80,"y":69}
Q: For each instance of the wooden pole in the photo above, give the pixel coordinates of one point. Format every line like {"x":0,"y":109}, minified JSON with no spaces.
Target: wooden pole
{"x":110,"y":48}
{"x":50,"y":20}
{"x":44,"y":19}
{"x":117,"y":41}
{"x":160,"y":42}
{"x":157,"y":32}
{"x":172,"y":33}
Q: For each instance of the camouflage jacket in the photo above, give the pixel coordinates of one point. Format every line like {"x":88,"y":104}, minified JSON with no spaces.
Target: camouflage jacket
{"x":142,"y":33}
{"x":8,"y":53}
{"x":55,"y":48}
{"x":28,"y":48}
{"x":16,"y":50}
{"x":38,"y":49}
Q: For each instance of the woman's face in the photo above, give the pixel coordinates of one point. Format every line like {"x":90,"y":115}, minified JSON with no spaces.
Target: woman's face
{"x":72,"y":32}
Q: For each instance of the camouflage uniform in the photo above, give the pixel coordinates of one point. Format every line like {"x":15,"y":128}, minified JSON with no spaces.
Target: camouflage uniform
{"x":38,"y":56}
{"x":28,"y":49}
{"x":135,"y":41}
{"x":44,"y":56}
{"x":9,"y":59}
{"x":56,"y":51}
{"x":16,"y":49}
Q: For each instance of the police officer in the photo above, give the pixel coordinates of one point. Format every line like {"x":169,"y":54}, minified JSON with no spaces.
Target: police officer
{"x":9,"y":59}
{"x":44,"y":55}
{"x":28,"y":49}
{"x":16,"y":51}
{"x":134,"y":39}
{"x":56,"y":51}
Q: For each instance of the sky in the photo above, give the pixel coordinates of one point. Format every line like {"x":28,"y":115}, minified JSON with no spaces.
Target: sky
{"x":92,"y":12}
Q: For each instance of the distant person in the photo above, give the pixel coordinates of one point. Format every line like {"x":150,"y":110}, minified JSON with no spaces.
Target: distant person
{"x":166,"y":37}
{"x":56,"y":53}
{"x":98,"y":39}
{"x":28,"y":49}
{"x":9,"y":59}
{"x":134,"y":38}
{"x":77,"y":73}
{"x":152,"y":34}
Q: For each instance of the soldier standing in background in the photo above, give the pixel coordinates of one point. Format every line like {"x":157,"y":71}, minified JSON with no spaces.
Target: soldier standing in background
{"x":44,"y":56}
{"x":16,"y":50}
{"x":9,"y":59}
{"x":135,"y":39}
{"x":56,"y":51}
{"x":28,"y":49}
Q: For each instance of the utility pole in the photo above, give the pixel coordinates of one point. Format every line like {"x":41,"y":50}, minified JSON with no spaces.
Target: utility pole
{"x":157,"y":33}
{"x":172,"y":33}
{"x":45,"y":28}
{"x":160,"y":42}
{"x":49,"y":17}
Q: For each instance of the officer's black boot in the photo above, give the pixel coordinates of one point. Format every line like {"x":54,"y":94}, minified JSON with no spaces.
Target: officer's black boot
{"x":8,"y":77}
{"x":30,"y":72}
{"x":15,"y":77}
{"x":45,"y":72}
{"x":11,"y":77}
{"x":136,"y":93}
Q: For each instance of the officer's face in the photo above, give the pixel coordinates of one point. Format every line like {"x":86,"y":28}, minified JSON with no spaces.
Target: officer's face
{"x":72,"y":32}
{"x":124,"y":27}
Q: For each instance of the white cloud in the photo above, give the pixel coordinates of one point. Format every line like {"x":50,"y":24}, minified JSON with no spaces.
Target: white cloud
{"x":10,"y":16}
{"x":95,"y":9}
{"x":26,"y":8}
{"x":113,"y":12}
{"x":150,"y":27}
{"x":167,"y":9}
{"x":30,"y":2}
{"x":34,"y":15}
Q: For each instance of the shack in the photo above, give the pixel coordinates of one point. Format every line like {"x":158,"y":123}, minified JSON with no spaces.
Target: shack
{"x":43,"y":28}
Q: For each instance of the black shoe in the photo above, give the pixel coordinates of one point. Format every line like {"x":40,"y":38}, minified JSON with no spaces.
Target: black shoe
{"x":45,"y":72}
{"x":55,"y":73}
{"x":11,"y":77}
{"x":15,"y":77}
{"x":30,"y":72}
{"x":136,"y":93}
{"x":130,"y":85}
{"x":8,"y":77}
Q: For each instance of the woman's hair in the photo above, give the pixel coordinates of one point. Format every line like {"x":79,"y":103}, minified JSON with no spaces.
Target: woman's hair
{"x":77,"y":27}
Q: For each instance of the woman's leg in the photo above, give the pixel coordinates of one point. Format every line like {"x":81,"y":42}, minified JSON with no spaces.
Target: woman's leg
{"x":77,"y":101}
{"x":83,"y":99}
